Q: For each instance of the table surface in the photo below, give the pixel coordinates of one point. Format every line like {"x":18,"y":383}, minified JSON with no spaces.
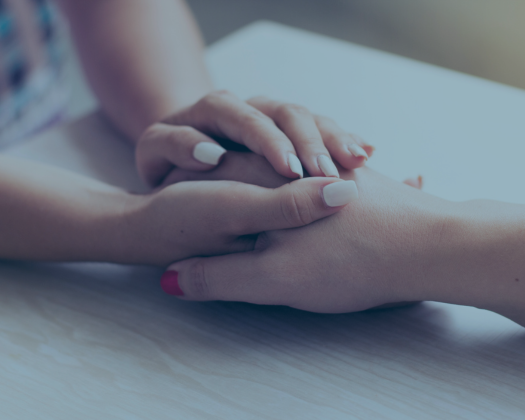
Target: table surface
{"x":102,"y":341}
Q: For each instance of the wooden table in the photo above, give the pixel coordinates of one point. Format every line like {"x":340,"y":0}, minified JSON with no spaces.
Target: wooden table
{"x":101,"y":341}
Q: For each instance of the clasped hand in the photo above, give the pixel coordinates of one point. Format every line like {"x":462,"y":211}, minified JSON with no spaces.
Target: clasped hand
{"x":211,"y":218}
{"x":246,"y":205}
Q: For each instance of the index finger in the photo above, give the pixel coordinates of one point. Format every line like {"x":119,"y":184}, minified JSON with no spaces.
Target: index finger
{"x":244,"y":277}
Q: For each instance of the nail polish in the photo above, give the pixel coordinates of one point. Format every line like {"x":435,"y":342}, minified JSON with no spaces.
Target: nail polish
{"x":208,"y":153}
{"x":295,"y":165}
{"x":358,"y":151}
{"x":170,"y":283}
{"x":340,"y":193}
{"x":327,"y":166}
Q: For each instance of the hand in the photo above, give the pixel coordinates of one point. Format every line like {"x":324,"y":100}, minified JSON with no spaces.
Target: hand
{"x":278,"y":131}
{"x":248,"y":168}
{"x":396,"y":244}
{"x":373,"y":253}
{"x":219,"y":217}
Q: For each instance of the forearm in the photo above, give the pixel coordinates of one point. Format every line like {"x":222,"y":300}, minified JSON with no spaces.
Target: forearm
{"x":54,"y":215}
{"x":481,"y":259}
{"x":143,"y":58}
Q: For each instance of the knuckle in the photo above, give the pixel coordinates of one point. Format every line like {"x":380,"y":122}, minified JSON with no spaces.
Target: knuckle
{"x":197,"y":282}
{"x":297,"y":208}
{"x":325,"y":121}
{"x":217,"y":96}
{"x":150,"y":133}
{"x":286,"y":111}
{"x":252,"y":122}
{"x":254,"y":117}
{"x":179,"y":139}
{"x":332,"y":138}
{"x":223,"y":93}
{"x":258,"y":99}
{"x":182,"y":133}
{"x":184,"y":130}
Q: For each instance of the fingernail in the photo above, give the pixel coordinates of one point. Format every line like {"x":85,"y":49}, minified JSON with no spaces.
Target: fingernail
{"x":209,"y":153}
{"x":340,"y":193}
{"x":327,"y":166}
{"x":357,"y":151}
{"x":295,"y":165}
{"x":170,"y":283}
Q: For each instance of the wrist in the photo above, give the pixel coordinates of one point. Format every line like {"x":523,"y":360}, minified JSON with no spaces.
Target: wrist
{"x":105,"y":231}
{"x":479,"y":258}
{"x":141,"y":226}
{"x":122,"y":229}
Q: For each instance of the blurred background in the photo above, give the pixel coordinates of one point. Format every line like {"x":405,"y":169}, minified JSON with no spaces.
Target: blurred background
{"x":484,"y":38}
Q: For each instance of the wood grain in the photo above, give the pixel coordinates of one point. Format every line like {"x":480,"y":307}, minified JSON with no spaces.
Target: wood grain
{"x":103,"y":341}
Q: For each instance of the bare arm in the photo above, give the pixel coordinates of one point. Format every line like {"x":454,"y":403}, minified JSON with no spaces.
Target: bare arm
{"x":143,"y":58}
{"x":48,"y":214}
{"x":481,"y":259}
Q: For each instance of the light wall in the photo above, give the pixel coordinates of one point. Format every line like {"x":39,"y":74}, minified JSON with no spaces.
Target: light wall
{"x":485,"y":38}
{"x":481,"y":37}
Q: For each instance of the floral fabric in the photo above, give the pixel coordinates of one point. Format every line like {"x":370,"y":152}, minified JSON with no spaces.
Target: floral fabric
{"x":32,"y":93}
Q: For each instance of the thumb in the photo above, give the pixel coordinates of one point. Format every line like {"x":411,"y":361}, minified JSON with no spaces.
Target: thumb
{"x":296,"y":204}
{"x":163,"y":146}
{"x":242,"y":277}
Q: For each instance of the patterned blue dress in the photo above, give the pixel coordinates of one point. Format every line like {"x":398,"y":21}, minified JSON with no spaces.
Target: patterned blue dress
{"x":32,"y":88}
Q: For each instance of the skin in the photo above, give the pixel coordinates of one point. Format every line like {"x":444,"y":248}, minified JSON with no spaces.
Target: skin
{"x":48,"y":214}
{"x":144,"y":61}
{"x":395,"y":244}
{"x":143,"y":58}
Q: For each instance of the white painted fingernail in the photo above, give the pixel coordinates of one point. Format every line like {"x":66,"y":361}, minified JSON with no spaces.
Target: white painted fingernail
{"x":327,"y":166}
{"x":209,"y":153}
{"x":295,"y":165}
{"x":340,"y":193}
{"x":357,"y":151}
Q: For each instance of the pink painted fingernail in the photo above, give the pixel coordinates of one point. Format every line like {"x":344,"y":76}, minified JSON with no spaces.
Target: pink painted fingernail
{"x":170,"y":283}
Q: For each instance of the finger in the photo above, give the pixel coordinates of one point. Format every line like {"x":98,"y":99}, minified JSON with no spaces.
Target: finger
{"x":241,"y":167}
{"x":164,"y":146}
{"x":415,"y":182}
{"x":293,"y":205}
{"x":235,"y":209}
{"x":348,"y":150}
{"x":300,"y":127}
{"x":223,"y":114}
{"x":245,"y":277}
